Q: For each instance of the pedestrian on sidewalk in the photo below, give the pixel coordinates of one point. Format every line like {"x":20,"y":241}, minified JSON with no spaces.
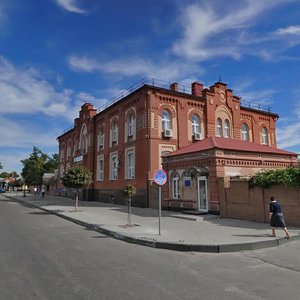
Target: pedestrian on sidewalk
{"x":43,"y":192}
{"x":276,"y":217}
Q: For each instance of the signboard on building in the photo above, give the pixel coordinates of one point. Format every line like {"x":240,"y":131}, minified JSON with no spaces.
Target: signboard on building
{"x":78,"y":158}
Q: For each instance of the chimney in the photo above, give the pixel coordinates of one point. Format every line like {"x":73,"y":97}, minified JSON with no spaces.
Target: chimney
{"x":197,"y":88}
{"x":174,"y":87}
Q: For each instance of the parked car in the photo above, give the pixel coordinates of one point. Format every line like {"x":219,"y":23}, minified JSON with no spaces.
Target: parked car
{"x":2,"y":190}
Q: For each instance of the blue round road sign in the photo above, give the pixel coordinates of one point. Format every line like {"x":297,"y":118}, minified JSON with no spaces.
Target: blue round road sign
{"x":160,"y":177}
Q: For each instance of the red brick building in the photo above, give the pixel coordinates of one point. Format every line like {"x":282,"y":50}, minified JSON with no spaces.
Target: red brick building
{"x":124,"y":142}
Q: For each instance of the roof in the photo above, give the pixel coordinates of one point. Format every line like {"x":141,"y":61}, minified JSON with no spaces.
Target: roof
{"x":214,"y":142}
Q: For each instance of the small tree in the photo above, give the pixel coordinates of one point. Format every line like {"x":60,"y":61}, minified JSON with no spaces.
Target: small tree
{"x":78,"y":178}
{"x":129,"y":191}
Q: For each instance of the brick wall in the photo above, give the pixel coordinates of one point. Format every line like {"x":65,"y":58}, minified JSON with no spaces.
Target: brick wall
{"x":239,"y":201}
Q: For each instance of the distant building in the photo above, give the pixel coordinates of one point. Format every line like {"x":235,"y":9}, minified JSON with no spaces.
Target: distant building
{"x":211,"y":133}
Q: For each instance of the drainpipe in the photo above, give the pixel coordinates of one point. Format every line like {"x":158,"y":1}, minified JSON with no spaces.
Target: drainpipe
{"x":148,"y":147}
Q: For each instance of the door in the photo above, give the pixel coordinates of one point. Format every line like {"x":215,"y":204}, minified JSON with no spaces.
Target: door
{"x":202,"y":193}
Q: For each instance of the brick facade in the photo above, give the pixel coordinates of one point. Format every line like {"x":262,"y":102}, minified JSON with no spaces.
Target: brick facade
{"x":123,"y":143}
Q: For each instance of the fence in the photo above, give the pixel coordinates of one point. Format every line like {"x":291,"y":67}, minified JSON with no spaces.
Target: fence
{"x":239,"y":201}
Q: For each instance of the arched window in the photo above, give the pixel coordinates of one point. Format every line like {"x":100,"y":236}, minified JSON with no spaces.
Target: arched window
{"x":114,"y":131}
{"x":196,"y":124}
{"x":166,"y":120}
{"x":264,"y":136}
{"x":131,"y":123}
{"x":245,"y":132}
{"x":101,"y":138}
{"x":219,"y":128}
{"x":226,"y":129}
{"x":83,"y":139}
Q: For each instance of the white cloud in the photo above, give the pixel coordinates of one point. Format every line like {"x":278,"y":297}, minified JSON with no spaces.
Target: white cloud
{"x":71,"y":6}
{"x":26,"y":91}
{"x":25,"y":133}
{"x":134,"y":66}
{"x":210,"y":32}
{"x":293,"y":30}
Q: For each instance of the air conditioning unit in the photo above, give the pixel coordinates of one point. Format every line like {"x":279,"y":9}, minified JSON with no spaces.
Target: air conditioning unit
{"x":167,"y":132}
{"x":197,"y":136}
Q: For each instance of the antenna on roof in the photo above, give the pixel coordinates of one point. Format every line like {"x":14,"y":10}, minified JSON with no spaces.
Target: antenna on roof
{"x":220,"y":78}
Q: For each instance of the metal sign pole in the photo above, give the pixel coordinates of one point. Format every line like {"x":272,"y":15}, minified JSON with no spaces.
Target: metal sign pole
{"x":160,"y":177}
{"x":159,"y":209}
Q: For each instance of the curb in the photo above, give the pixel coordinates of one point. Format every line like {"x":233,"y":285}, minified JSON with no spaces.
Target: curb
{"x":222,"y":248}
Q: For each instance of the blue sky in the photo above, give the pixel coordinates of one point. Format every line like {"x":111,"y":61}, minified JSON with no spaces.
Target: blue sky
{"x":57,"y":54}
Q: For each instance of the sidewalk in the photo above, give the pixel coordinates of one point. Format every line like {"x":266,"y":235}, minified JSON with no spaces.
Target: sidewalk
{"x":204,"y":233}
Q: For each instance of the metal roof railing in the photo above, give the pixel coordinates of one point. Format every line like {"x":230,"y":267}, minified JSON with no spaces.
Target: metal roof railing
{"x":258,"y":106}
{"x":147,"y":80}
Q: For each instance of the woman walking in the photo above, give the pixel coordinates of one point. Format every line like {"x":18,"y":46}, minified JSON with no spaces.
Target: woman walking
{"x":276,"y":217}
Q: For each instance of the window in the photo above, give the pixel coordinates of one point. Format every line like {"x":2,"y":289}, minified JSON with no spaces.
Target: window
{"x":101,"y":168}
{"x":226,"y":129}
{"x":83,"y":139}
{"x":219,"y":127}
{"x":101,"y":138}
{"x":114,"y":166}
{"x":62,"y":154}
{"x":196,"y":124}
{"x":175,"y":187}
{"x":68,"y":151}
{"x":131,"y":125}
{"x":166,"y":120}
{"x":130,"y":163}
{"x":245,"y":132}
{"x":114,"y":132}
{"x":75,"y":146}
{"x":264,"y":136}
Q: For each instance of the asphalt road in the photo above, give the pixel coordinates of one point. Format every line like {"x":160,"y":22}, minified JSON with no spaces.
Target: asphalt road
{"x":45,"y":257}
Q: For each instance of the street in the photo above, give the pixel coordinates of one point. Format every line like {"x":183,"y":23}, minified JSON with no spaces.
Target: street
{"x":45,"y":257}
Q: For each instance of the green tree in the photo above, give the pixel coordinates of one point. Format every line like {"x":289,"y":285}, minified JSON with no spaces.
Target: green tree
{"x":4,"y":175}
{"x":129,"y":191}
{"x":36,"y":165}
{"x":77,"y":178}
{"x":286,"y":177}
{"x":1,"y":167}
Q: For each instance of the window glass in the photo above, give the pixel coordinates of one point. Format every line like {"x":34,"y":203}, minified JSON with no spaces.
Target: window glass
{"x":114,"y":131}
{"x":219,"y":127}
{"x":245,"y":132}
{"x":131,"y":125}
{"x":195,"y":124}
{"x":101,"y":138}
{"x":101,"y":169}
{"x":264,"y":136}
{"x":130,"y":164}
{"x":226,"y":129}
{"x":175,"y":187}
{"x":114,"y":167}
{"x":166,"y":120}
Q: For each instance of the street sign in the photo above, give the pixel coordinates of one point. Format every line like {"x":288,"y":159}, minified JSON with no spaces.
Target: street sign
{"x":160,"y":177}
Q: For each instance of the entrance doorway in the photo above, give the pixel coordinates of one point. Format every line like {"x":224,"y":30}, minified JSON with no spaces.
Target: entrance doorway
{"x":202,"y":194}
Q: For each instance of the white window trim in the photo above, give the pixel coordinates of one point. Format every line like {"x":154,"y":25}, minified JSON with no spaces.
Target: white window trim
{"x":130,"y":170}
{"x":196,"y":127}
{"x":175,"y":188}
{"x":245,"y":132}
{"x":113,"y":166}
{"x":166,"y":123}
{"x":100,"y":172}
{"x":227,"y":129}
{"x":101,"y":139}
{"x":131,"y":125}
{"x":219,"y":127}
{"x":264,"y":136}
